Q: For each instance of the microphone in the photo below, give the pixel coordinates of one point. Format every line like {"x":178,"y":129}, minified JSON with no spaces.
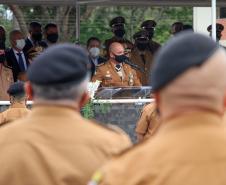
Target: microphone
{"x":127,"y":61}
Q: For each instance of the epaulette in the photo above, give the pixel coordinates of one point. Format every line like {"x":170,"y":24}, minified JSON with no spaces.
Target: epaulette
{"x":101,"y":64}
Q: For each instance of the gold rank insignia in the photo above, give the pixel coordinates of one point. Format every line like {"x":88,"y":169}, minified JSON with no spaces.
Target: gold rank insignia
{"x":96,"y":178}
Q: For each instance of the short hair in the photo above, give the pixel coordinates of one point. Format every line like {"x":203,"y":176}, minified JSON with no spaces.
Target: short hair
{"x":49,"y":25}
{"x":34,"y":24}
{"x":92,"y":39}
{"x":19,"y":97}
{"x":60,"y":92}
{"x":12,"y":33}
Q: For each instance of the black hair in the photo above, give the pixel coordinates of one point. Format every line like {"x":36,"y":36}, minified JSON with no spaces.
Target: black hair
{"x":91,"y":39}
{"x":49,"y":25}
{"x":35,"y":25}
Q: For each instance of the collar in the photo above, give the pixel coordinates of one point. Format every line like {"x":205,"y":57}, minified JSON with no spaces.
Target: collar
{"x":192,"y":119}
{"x":16,"y":52}
{"x":32,"y":42}
{"x":18,"y":105}
{"x":53,"y":110}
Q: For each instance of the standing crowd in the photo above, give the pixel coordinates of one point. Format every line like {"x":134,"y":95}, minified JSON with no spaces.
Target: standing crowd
{"x":181,"y":136}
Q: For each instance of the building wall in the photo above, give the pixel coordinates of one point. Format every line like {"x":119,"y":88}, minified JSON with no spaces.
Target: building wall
{"x":202,"y":19}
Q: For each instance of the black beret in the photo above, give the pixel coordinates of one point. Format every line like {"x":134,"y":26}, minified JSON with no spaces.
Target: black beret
{"x":141,"y":34}
{"x":148,"y":24}
{"x":117,"y":20}
{"x":185,"y":50}
{"x":16,"y":88}
{"x":59,"y":64}
{"x":219,"y":27}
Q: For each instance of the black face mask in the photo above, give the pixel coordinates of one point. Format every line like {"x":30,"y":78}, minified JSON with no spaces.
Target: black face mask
{"x":2,"y":44}
{"x":150,"y":32}
{"x":119,"y":33}
{"x":121,"y":58}
{"x":37,"y":37}
{"x":219,"y":35}
{"x":53,"y":37}
{"x":2,"y":58}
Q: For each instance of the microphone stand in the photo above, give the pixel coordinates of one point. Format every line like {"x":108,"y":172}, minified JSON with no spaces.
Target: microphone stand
{"x":134,"y":65}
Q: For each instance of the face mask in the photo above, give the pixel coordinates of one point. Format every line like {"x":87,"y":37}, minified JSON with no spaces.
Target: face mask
{"x":3,"y":38}
{"x":53,"y":37}
{"x":119,"y":33}
{"x":94,"y":52}
{"x":2,"y":44}
{"x":121,"y":58}
{"x":219,"y":36}
{"x":20,"y":44}
{"x":2,"y":58}
{"x":37,"y":37}
{"x":150,"y":32}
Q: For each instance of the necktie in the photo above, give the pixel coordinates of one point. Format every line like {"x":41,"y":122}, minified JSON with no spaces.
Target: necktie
{"x":21,"y":62}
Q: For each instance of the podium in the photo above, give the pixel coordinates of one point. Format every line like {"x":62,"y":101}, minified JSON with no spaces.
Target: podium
{"x":143,"y":92}
{"x":124,"y":106}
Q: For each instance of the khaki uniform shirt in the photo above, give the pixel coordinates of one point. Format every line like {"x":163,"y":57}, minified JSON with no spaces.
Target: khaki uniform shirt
{"x":106,"y":73}
{"x":148,"y":122}
{"x":55,"y":146}
{"x":6,"y":79}
{"x":14,"y":112}
{"x":188,"y":149}
{"x":137,"y":59}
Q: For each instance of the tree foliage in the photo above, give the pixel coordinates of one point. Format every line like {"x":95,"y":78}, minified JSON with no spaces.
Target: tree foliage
{"x":95,"y":20}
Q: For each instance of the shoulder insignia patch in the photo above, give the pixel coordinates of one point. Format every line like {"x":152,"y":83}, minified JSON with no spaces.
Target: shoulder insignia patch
{"x":96,"y":178}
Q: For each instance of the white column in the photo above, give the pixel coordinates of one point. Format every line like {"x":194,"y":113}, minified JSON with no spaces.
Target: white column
{"x":214,"y":17}
{"x":77,"y":31}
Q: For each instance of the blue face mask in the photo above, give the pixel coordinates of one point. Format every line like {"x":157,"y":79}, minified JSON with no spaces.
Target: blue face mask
{"x":121,"y":58}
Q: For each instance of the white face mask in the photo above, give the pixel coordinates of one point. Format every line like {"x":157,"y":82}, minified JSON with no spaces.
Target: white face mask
{"x":94,"y":52}
{"x":20,"y":44}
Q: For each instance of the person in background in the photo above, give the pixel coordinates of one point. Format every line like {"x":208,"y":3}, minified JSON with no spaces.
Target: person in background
{"x":15,"y":57}
{"x":219,"y":30}
{"x":148,"y":123}
{"x":2,"y":37}
{"x":33,"y":43}
{"x":189,"y":147}
{"x":149,"y":27}
{"x":17,"y":107}
{"x":94,"y":49}
{"x":115,"y":72}
{"x":51,"y":34}
{"x":142,"y":56}
{"x":176,"y":28}
{"x":6,"y":76}
{"x":117,"y":25}
{"x":61,"y":146}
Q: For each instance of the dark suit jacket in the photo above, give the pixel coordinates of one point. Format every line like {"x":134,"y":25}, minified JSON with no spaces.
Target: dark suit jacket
{"x":29,"y":45}
{"x":12,"y":62}
{"x":100,"y":60}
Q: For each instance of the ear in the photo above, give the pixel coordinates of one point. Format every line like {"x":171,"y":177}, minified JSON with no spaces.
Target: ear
{"x":225,"y":101}
{"x":84,"y":100}
{"x":157,"y":98}
{"x":28,"y":90}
